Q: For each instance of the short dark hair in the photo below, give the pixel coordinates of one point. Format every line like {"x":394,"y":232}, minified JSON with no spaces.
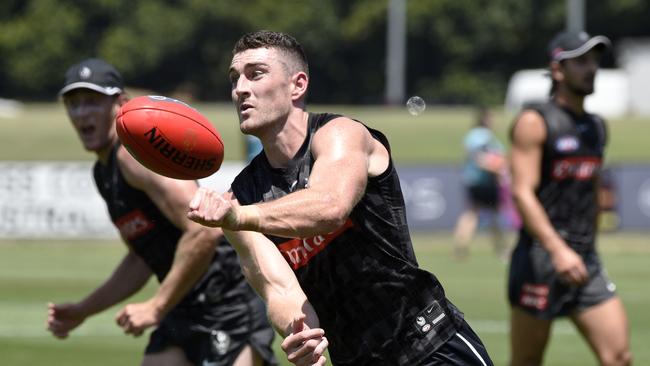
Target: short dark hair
{"x":277,"y":40}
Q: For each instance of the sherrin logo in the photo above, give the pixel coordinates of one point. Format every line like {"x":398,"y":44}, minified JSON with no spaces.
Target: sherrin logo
{"x":155,"y":139}
{"x":567,"y":143}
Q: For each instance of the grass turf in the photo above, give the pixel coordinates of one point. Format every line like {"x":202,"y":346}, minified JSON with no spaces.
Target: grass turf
{"x":35,"y":272}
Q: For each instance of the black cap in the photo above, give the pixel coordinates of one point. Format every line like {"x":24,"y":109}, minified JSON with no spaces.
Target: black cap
{"x":574,"y":44}
{"x":94,"y":74}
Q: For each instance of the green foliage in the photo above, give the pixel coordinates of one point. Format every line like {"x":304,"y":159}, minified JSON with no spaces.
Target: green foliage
{"x":459,"y":51}
{"x":35,"y":43}
{"x":164,"y":29}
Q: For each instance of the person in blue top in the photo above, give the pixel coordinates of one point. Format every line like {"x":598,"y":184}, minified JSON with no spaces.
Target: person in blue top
{"x":253,"y":146}
{"x":481,"y":175}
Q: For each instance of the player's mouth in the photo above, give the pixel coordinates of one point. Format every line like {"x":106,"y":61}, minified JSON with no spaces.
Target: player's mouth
{"x":87,"y":131}
{"x":244,"y":107}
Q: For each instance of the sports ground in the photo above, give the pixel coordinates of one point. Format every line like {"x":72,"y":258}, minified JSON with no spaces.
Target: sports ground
{"x":35,"y":272}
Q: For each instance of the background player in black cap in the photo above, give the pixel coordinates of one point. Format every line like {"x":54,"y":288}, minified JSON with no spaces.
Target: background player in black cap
{"x":557,"y":154}
{"x":204,"y":311}
{"x":324,"y":194}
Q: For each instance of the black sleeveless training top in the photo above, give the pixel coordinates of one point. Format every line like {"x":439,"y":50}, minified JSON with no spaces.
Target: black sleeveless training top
{"x":376,"y":306}
{"x":571,"y":162}
{"x":154,"y":238}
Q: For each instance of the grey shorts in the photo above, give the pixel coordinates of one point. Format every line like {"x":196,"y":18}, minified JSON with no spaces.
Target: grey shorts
{"x":535,"y":287}
{"x":216,"y":336}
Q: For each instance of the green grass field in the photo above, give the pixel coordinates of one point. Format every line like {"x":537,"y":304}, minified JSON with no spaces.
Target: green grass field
{"x":33,"y":273}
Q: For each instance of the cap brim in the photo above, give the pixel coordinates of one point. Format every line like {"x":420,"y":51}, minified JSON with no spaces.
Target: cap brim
{"x":111,"y":90}
{"x":591,"y":43}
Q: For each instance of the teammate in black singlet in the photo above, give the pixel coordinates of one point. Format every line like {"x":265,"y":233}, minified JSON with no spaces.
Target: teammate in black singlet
{"x":557,"y":153}
{"x":319,"y":222}
{"x":204,"y":311}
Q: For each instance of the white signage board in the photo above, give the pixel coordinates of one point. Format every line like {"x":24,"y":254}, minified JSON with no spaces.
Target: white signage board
{"x":59,"y":200}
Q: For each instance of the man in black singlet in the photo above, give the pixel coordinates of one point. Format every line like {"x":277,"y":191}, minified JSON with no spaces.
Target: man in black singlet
{"x":204,"y":312}
{"x":557,"y":154}
{"x":318,"y":220}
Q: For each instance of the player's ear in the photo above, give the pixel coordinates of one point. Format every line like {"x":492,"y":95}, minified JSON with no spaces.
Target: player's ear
{"x":300,"y":81}
{"x":557,"y":73}
{"x":122,"y":99}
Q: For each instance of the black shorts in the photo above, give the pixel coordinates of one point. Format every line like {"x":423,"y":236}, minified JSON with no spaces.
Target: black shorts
{"x":216,"y":336}
{"x":535,"y":287}
{"x":463,"y":349}
{"x":486,"y":196}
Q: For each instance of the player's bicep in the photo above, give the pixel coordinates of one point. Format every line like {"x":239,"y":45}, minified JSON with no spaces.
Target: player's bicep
{"x":171,"y":196}
{"x":341,"y":151}
{"x":528,"y":136}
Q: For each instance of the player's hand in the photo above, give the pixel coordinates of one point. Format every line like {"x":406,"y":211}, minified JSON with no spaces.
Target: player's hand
{"x":134,"y":319}
{"x":304,"y":346}
{"x":570,"y":266}
{"x":491,"y":161}
{"x":209,"y":208}
{"x":62,"y":318}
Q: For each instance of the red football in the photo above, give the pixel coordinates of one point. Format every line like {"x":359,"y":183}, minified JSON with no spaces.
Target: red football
{"x":169,"y":137}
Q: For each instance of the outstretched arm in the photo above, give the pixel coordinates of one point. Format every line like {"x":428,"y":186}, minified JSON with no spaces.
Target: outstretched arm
{"x":194,"y":251}
{"x":127,"y":278}
{"x":288,"y":309}
{"x":345,"y":155}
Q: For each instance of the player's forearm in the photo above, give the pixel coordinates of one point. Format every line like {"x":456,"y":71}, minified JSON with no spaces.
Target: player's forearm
{"x":283,"y":297}
{"x":304,"y":214}
{"x":129,"y":277}
{"x":193,"y":255}
{"x":284,"y":306}
{"x":536,"y":220}
{"x":271,"y":277}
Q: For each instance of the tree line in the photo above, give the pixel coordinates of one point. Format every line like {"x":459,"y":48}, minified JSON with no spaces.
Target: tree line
{"x":458,"y":51}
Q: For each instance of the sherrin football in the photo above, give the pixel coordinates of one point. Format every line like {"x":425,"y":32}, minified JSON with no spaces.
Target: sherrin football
{"x":169,"y":137}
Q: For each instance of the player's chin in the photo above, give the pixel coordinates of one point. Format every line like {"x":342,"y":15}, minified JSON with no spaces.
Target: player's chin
{"x":244,"y":117}
{"x":92,"y":146}
{"x":246,"y":126}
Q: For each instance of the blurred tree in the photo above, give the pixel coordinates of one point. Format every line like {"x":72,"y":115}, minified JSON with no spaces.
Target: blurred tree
{"x":459,"y":51}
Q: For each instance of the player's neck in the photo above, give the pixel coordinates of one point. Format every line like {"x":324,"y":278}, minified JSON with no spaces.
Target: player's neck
{"x":104,"y":154}
{"x":571,"y":101}
{"x":285,"y":143}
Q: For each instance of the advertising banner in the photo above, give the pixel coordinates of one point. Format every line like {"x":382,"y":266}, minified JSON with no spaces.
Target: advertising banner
{"x":59,"y":200}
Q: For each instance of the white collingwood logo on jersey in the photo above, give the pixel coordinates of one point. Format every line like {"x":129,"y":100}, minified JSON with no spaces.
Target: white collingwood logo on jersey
{"x":220,"y":341}
{"x":567,"y":143}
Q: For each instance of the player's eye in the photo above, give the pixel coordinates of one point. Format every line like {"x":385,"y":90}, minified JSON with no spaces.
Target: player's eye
{"x":233,"y":78}
{"x":72,"y":103}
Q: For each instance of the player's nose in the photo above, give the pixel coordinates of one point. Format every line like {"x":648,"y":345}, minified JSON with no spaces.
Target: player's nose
{"x":241,"y":87}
